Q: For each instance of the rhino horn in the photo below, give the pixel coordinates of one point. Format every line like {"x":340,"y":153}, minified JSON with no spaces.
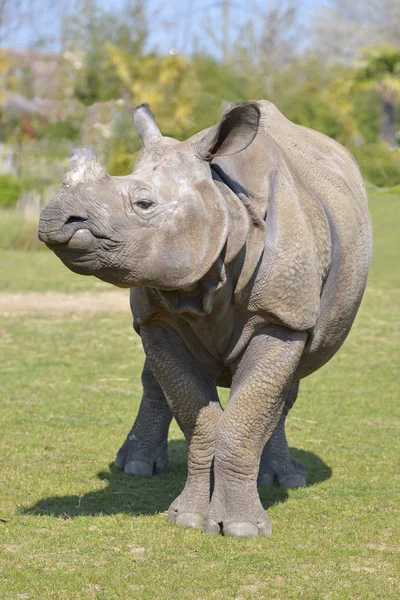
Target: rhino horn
{"x":83,"y":167}
{"x":145,"y":125}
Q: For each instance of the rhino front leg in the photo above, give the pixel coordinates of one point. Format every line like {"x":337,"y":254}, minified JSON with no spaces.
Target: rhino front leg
{"x":276,"y":465}
{"x":254,"y":409}
{"x":145,"y":450}
{"x":192,"y":395}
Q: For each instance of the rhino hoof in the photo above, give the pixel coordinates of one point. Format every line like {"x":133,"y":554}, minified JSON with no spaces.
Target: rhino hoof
{"x":211,"y":526}
{"x":132,"y":462}
{"x":296,"y":480}
{"x":138,"y":467}
{"x":246,"y":529}
{"x":189,"y":520}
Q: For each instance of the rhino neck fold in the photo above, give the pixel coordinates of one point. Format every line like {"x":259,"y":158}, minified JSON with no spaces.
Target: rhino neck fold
{"x":246,"y":238}
{"x":198,"y":300}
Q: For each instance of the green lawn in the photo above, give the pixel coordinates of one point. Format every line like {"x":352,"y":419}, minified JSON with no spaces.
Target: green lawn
{"x":24,"y":271}
{"x":74,"y":527}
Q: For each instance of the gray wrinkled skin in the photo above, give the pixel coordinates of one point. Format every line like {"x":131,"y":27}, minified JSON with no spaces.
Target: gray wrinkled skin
{"x":246,"y":249}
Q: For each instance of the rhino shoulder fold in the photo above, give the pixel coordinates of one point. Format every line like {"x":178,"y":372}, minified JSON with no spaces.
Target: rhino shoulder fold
{"x":296,"y":257}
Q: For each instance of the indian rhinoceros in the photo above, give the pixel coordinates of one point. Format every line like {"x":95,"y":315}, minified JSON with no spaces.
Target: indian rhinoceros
{"x":246,"y":248}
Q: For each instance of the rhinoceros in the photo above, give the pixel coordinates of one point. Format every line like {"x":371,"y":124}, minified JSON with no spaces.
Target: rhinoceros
{"x":247,"y":249}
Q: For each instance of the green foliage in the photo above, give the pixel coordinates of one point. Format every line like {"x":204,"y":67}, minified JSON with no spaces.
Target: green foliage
{"x":312,"y":111}
{"x":394,"y":190}
{"x":61,"y":130}
{"x":379,"y":164}
{"x":107,"y":65}
{"x":86,"y":33}
{"x":219,"y":86}
{"x":367,"y":113}
{"x":379,"y":68}
{"x":120,"y":159}
{"x":10,"y":190}
{"x":383,"y":191}
{"x":4,"y":70}
{"x":168,"y":83}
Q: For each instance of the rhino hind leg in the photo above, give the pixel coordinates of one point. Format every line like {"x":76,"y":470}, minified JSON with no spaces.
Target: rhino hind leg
{"x":145,"y":450}
{"x":277,"y":467}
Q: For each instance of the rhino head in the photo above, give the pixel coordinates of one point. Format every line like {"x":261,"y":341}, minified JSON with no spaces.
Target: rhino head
{"x":163,"y":226}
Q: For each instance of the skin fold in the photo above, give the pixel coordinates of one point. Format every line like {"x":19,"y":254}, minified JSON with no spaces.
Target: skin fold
{"x":246,"y":249}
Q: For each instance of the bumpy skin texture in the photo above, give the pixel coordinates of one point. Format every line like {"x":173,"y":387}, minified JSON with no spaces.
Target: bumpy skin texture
{"x":145,"y":450}
{"x":246,"y":249}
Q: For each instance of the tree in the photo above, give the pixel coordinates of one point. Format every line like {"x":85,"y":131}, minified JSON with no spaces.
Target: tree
{"x":168,"y":83}
{"x":341,"y":28}
{"x":218,"y":86}
{"x":88,"y":71}
{"x":265,"y":47}
{"x":379,"y":69}
{"x":4,"y":69}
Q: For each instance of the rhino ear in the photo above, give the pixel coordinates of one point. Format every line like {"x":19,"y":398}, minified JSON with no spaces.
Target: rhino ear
{"x":236,"y":130}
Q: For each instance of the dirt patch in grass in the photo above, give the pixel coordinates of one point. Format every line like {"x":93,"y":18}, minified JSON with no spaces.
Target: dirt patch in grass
{"x":60,"y":303}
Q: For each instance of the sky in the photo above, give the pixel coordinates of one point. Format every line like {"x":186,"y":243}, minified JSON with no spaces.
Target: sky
{"x":174,"y":24}
{"x":186,"y":18}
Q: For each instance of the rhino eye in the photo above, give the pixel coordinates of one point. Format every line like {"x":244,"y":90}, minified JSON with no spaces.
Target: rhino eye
{"x":144,"y":204}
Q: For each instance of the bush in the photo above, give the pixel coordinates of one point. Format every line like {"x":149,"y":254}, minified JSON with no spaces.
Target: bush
{"x":395,"y":190}
{"x":61,"y":130}
{"x":10,"y":190}
{"x":121,"y":157}
{"x":120,"y":163}
{"x":379,"y":165}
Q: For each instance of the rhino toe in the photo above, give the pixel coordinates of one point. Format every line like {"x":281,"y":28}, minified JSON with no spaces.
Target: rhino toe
{"x":135,"y":460}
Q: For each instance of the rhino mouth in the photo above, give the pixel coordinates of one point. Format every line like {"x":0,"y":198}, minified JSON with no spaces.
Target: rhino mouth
{"x":76,"y":235}
{"x":81,"y":240}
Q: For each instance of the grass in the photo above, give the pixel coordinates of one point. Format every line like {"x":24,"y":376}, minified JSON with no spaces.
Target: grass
{"x":25,"y":271}
{"x":18,"y":232}
{"x":74,"y":527}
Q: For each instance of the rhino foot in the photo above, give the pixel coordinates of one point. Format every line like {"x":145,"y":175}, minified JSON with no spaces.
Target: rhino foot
{"x":243,"y":517}
{"x":277,"y":467}
{"x":190,"y":507}
{"x":136,"y":458}
{"x":239,"y":528}
{"x":287,"y":474}
{"x":187,"y":519}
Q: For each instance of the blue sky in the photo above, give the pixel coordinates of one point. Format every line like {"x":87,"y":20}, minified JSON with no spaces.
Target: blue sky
{"x":178,"y":22}
{"x":173,"y":23}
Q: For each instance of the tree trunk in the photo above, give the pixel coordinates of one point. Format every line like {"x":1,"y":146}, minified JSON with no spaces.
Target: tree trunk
{"x":388,"y":123}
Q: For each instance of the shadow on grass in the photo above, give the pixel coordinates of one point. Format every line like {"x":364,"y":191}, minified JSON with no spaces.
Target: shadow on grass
{"x":317,"y":472}
{"x":150,"y":495}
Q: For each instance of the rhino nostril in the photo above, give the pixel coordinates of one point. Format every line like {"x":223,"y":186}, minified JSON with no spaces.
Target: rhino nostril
{"x":73,"y":219}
